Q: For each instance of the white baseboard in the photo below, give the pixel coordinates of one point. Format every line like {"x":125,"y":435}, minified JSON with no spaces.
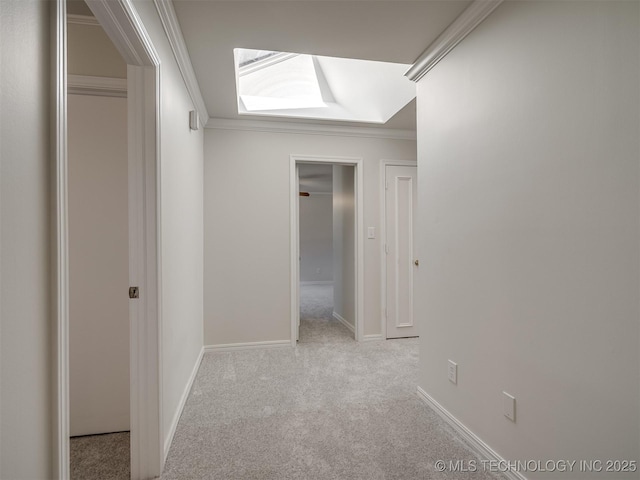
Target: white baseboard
{"x":319,"y":282}
{"x":482,"y":449}
{"x":183,"y":400}
{"x":373,"y":338}
{"x":343,"y":321}
{"x":229,"y":347}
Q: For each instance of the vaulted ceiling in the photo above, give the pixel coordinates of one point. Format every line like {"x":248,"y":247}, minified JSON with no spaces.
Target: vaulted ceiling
{"x":391,"y":31}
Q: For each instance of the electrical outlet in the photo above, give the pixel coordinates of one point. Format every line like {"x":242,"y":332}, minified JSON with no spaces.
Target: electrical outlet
{"x":509,"y":406}
{"x":452,"y":372}
{"x":317,"y":270}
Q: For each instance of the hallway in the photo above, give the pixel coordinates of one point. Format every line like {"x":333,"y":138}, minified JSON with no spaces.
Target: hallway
{"x":317,"y":324}
{"x":329,"y":409}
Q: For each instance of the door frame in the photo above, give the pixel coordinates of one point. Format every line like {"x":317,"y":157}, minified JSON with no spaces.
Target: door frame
{"x":384,"y":163}
{"x":124,"y":27}
{"x":294,"y":248}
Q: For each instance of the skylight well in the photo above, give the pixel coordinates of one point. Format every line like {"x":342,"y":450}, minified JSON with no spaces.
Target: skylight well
{"x":308,"y":86}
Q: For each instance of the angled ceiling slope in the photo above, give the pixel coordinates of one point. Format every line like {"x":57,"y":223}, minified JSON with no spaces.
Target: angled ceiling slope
{"x":281,"y":84}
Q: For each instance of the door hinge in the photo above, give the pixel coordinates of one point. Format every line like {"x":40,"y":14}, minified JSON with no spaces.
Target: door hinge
{"x":386,"y":185}
{"x":386,"y":249}
{"x":134,"y":292}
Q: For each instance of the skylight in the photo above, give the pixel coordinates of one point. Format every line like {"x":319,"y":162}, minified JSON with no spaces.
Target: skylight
{"x":308,"y":86}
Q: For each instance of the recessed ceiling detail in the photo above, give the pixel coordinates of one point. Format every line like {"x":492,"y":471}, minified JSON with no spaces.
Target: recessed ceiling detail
{"x":296,"y":85}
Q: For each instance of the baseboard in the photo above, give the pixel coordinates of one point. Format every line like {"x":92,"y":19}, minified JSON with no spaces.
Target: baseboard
{"x":229,"y":347}
{"x":319,"y":282}
{"x":343,"y":321}
{"x":484,"y":451}
{"x":373,"y":338}
{"x":183,"y":400}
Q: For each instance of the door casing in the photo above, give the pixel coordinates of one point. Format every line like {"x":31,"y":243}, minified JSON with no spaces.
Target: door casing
{"x":122,"y":24}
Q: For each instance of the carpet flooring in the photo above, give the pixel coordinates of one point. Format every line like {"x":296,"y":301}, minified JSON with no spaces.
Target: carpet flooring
{"x":331,"y":408}
{"x":100,"y":457}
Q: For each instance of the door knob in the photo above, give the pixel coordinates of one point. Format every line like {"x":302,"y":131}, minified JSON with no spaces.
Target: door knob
{"x":416,"y":263}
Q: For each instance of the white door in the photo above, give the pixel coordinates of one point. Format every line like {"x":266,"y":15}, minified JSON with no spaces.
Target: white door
{"x":400,"y":207}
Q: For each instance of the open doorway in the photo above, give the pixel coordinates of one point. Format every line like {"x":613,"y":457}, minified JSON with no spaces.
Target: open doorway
{"x":326,"y":245}
{"x":326,"y":210}
{"x":99,"y":393}
{"x":123,"y":27}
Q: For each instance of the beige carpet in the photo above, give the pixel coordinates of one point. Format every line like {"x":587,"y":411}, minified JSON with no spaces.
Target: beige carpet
{"x":100,"y":457}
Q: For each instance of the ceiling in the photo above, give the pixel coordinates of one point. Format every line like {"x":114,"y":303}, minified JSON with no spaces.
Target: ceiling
{"x":395,"y":31}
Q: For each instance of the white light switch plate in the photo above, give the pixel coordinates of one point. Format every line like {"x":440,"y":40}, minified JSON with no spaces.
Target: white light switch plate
{"x":452,"y":372}
{"x":371,"y":232}
{"x":509,"y":406}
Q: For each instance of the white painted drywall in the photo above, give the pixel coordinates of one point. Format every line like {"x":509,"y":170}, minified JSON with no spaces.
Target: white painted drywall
{"x":247,"y":256}
{"x":98,"y":265}
{"x":91,"y":52}
{"x":181,"y":226}
{"x":344,"y":233}
{"x":316,"y":238}
{"x":26,"y":356}
{"x":528,"y":141}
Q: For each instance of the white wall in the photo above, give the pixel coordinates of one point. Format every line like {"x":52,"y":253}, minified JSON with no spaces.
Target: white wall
{"x":247,"y":256}
{"x":98,"y":265}
{"x":181,"y":224}
{"x":91,"y":52}
{"x":316,"y":238}
{"x":529,"y":225}
{"x":344,"y":233}
{"x":25,"y":321}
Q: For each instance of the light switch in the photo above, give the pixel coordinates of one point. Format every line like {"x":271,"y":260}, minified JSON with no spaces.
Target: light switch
{"x":509,"y":406}
{"x":371,"y":232}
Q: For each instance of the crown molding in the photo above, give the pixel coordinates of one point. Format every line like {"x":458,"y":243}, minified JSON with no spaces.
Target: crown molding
{"x":176,"y":40}
{"x":462,"y":26}
{"x":122,"y":24}
{"x":82,"y":20}
{"x":309,"y":129}
{"x":96,"y":86}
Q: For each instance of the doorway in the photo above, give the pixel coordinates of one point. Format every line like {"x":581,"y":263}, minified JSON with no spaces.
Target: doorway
{"x":327,"y":252}
{"x":341,"y":271}
{"x":99,"y":394}
{"x":124,"y":28}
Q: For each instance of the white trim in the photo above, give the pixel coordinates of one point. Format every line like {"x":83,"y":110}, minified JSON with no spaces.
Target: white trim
{"x":373,"y":338}
{"x":309,"y":129}
{"x":122,"y":24}
{"x":82,"y":20}
{"x":383,"y":236}
{"x":294,"y":247}
{"x":147,"y":445}
{"x":476,"y":443}
{"x":97,"y":86}
{"x":176,"y":40}
{"x":462,"y":26}
{"x":344,"y":322}
{"x":181,"y":404}
{"x":319,"y":282}
{"x":62,"y":470}
{"x":232,"y":347}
